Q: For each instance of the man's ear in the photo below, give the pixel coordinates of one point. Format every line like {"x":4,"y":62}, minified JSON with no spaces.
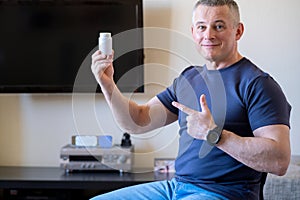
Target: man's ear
{"x":193,"y":32}
{"x":239,"y":31}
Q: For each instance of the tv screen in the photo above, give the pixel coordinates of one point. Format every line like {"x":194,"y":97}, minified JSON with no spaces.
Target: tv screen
{"x":46,"y":46}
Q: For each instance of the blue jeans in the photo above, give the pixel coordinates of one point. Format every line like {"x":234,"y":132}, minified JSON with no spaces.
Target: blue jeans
{"x":169,"y":190}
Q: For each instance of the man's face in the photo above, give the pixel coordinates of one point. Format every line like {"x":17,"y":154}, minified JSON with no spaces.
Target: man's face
{"x":215,"y":33}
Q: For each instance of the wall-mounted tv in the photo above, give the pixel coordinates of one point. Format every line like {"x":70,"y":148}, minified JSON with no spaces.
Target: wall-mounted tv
{"x":45,"y":46}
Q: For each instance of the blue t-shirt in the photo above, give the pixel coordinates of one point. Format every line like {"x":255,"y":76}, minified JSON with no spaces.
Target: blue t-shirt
{"x":241,"y":98}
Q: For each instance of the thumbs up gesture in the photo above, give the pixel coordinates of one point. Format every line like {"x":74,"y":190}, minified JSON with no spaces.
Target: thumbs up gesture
{"x":198,"y":123}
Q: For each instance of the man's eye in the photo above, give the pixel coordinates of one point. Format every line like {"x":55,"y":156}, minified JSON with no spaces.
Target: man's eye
{"x":201,"y":27}
{"x":219,"y":27}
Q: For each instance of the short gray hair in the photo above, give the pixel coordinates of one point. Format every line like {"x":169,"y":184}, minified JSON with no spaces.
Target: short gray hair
{"x":233,"y":6}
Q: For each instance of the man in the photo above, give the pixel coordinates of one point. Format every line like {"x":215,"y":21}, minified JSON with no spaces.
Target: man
{"x":233,"y":117}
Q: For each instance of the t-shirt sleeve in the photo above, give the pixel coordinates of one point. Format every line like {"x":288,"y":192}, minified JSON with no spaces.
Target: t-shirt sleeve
{"x":168,"y":96}
{"x":267,"y":104}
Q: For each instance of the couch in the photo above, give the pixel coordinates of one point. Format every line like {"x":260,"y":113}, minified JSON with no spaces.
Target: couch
{"x":285,"y":187}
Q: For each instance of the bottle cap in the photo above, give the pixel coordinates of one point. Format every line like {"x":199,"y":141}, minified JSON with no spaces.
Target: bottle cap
{"x":105,"y":34}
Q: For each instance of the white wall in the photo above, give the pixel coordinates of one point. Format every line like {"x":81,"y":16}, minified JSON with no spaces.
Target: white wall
{"x":33,"y":128}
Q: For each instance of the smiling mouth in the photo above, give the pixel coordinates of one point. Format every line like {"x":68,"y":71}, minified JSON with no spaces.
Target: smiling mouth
{"x":210,"y":45}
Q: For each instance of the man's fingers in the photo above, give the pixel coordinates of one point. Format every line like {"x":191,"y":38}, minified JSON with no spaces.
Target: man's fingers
{"x":189,"y":111}
{"x":183,"y":108}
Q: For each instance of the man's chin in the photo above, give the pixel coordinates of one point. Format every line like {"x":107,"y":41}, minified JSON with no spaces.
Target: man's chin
{"x":206,"y":55}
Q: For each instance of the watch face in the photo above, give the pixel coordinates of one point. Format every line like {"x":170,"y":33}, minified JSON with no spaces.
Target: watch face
{"x":212,"y":137}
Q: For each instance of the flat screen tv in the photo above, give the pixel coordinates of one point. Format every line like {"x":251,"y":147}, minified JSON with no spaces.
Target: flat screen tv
{"x":46,"y":45}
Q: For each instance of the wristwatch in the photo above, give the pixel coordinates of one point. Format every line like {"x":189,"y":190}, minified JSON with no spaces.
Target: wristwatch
{"x":213,"y":136}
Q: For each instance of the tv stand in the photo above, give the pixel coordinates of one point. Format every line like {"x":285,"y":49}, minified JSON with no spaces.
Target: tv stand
{"x":54,"y":183}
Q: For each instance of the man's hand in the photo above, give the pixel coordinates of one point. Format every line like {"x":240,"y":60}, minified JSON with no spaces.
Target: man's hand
{"x":102,"y":67}
{"x":198,"y":123}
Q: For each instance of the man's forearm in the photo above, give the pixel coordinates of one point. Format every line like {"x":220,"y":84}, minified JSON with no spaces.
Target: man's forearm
{"x":259,"y":153}
{"x":134,"y":118}
{"x":125,"y":112}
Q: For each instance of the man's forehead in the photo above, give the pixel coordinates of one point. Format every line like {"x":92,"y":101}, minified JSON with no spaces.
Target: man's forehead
{"x":209,"y":14}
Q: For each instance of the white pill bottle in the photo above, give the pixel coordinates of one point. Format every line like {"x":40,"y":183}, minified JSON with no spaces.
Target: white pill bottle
{"x":105,"y":43}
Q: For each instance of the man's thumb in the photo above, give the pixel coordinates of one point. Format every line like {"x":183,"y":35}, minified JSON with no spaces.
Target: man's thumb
{"x":203,"y":104}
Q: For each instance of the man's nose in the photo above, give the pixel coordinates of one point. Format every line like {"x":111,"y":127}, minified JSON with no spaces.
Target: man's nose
{"x":209,"y":33}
